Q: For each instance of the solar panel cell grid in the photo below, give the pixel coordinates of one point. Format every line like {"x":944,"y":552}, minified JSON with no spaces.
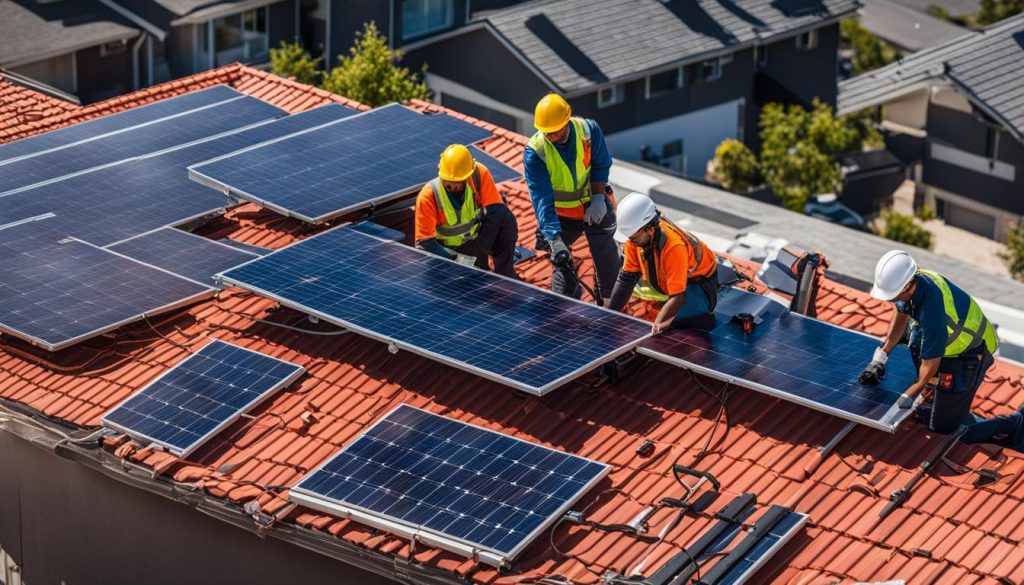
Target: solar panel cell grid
{"x":474,"y":486}
{"x":791,"y":356}
{"x":188,"y":255}
{"x":200,"y":396}
{"x":492,"y":326}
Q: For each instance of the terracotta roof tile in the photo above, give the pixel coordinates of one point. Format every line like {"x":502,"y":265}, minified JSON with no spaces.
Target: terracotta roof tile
{"x":969,"y":533}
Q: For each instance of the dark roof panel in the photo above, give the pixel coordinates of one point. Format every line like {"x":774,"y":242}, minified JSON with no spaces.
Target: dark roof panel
{"x":33,"y":31}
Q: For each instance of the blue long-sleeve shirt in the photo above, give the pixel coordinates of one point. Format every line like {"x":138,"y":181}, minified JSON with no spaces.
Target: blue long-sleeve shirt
{"x":542,"y":194}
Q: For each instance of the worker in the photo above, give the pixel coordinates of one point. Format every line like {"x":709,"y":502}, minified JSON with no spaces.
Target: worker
{"x":566,"y":166}
{"x":670,"y":268}
{"x":949,"y":337}
{"x":1006,"y":431}
{"x":461,"y":216}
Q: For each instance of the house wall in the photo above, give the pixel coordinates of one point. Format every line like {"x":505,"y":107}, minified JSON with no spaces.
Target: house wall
{"x":810,"y":73}
{"x":347,"y":17}
{"x":65,"y":523}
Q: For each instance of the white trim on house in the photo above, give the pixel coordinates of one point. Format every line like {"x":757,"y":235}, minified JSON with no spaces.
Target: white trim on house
{"x":145,"y":24}
{"x":979,"y":164}
{"x":207,"y":14}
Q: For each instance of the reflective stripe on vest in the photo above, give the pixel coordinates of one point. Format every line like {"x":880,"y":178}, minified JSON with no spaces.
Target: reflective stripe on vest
{"x":568,"y":194}
{"x":462,"y":227}
{"x":650,"y":290}
{"x":966,"y":333}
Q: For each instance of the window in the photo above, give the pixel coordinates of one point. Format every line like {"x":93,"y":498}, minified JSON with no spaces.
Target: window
{"x":609,"y":96}
{"x":420,"y":17}
{"x":239,"y":37}
{"x":807,"y":41}
{"x":664,"y":82}
{"x":711,"y":69}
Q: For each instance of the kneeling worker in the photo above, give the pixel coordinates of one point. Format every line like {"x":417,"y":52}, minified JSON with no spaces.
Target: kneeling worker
{"x":460,"y":214}
{"x":949,"y":336}
{"x":671,"y":265}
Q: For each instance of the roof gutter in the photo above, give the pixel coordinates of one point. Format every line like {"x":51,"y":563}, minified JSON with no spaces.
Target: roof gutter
{"x":145,"y":24}
{"x":32,"y":427}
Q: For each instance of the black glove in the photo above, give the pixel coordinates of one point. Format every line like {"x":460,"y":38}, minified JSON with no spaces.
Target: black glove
{"x":560,"y":255}
{"x":873,"y":374}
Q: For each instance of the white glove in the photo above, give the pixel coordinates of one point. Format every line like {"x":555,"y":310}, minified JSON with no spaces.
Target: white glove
{"x":905,"y":402}
{"x":465,"y":260}
{"x":880,"y":357}
{"x":597,"y":209}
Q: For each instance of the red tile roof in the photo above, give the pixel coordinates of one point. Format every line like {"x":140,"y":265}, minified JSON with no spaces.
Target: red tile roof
{"x":947,"y":532}
{"x":24,"y":111}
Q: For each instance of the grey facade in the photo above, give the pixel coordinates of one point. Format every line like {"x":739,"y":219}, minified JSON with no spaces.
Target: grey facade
{"x":700,"y":77}
{"x":955,"y":113}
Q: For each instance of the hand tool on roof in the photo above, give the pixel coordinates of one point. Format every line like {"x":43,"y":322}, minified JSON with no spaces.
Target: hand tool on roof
{"x":563,"y":262}
{"x":900,"y":495}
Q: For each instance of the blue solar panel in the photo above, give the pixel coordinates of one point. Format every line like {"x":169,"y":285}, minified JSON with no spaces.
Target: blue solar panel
{"x":134,"y":142}
{"x":756,"y":557}
{"x":105,"y":125}
{"x":55,"y":292}
{"x":200,"y":396}
{"x":256,"y":250}
{"x":368,"y":159}
{"x":499,"y":328}
{"x":792,"y":357}
{"x":500,"y":172}
{"x":124,"y":200}
{"x":453,"y":485}
{"x":194,"y":257}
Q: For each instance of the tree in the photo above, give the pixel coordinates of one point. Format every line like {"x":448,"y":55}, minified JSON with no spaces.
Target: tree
{"x":993,"y":11}
{"x":800,"y":150}
{"x":870,"y":52}
{"x":903,"y":228}
{"x":735,"y":165}
{"x":291,"y":60}
{"x":370,"y":72}
{"x":1014,"y":255}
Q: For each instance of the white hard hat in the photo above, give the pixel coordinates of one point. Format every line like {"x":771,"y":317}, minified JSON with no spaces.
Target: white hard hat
{"x":893,"y":271}
{"x":635,"y":211}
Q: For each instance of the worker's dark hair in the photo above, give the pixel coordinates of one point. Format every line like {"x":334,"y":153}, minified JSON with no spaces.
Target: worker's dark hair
{"x":654,"y":221}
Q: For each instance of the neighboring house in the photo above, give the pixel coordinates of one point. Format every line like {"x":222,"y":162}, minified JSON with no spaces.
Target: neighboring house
{"x":667,"y":80}
{"x":78,"y":510}
{"x":956,"y":112}
{"x":81,"y":47}
{"x":188,"y":36}
{"x":907,"y":29}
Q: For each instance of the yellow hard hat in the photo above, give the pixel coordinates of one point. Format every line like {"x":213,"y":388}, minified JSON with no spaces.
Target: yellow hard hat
{"x":456,"y":163}
{"x":552,"y":113}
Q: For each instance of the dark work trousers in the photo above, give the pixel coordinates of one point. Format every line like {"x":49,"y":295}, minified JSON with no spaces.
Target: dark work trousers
{"x":496,"y":238}
{"x":959,"y":379}
{"x":603,"y":250}
{"x":1005,"y":431}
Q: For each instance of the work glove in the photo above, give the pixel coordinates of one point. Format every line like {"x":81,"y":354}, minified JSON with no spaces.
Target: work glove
{"x":597,"y":209}
{"x":875,"y":372}
{"x":560,"y":255}
{"x":465,"y":260}
{"x":905,"y":402}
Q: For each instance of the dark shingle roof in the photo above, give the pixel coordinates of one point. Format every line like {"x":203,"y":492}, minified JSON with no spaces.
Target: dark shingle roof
{"x":905,"y":27}
{"x":576,"y":44}
{"x":32,"y":31}
{"x":985,"y":66}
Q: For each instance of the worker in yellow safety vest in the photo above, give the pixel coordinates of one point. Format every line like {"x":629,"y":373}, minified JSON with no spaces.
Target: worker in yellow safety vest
{"x":461,"y":216}
{"x":950,"y":339}
{"x":566,"y":166}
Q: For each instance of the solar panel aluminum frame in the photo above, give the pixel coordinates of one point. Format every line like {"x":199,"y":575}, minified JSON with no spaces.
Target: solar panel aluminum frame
{"x":394,"y":343}
{"x":52,"y":347}
{"x":182,"y":453}
{"x":889,"y":423}
{"x":425,"y":535}
{"x":768,"y":554}
{"x":239,"y":194}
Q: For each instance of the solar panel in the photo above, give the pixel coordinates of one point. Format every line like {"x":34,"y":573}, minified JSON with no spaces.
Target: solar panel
{"x":56,"y":292}
{"x":752,"y":560}
{"x":792,"y":357}
{"x":450,"y":484}
{"x":363,"y":161}
{"x":495,"y":327}
{"x":106,"y":125}
{"x":252,"y":249}
{"x":201,"y":395}
{"x":196,"y":124}
{"x":124,"y":200}
{"x":500,"y":172}
{"x":188,"y":255}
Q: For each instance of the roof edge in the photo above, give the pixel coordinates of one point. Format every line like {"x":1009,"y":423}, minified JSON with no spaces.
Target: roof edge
{"x":146,"y":25}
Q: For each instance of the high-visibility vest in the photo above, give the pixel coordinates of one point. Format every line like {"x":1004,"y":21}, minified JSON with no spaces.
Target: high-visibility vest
{"x":569,"y":194}
{"x":458,"y":227}
{"x":963,"y":333}
{"x":649,"y":290}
